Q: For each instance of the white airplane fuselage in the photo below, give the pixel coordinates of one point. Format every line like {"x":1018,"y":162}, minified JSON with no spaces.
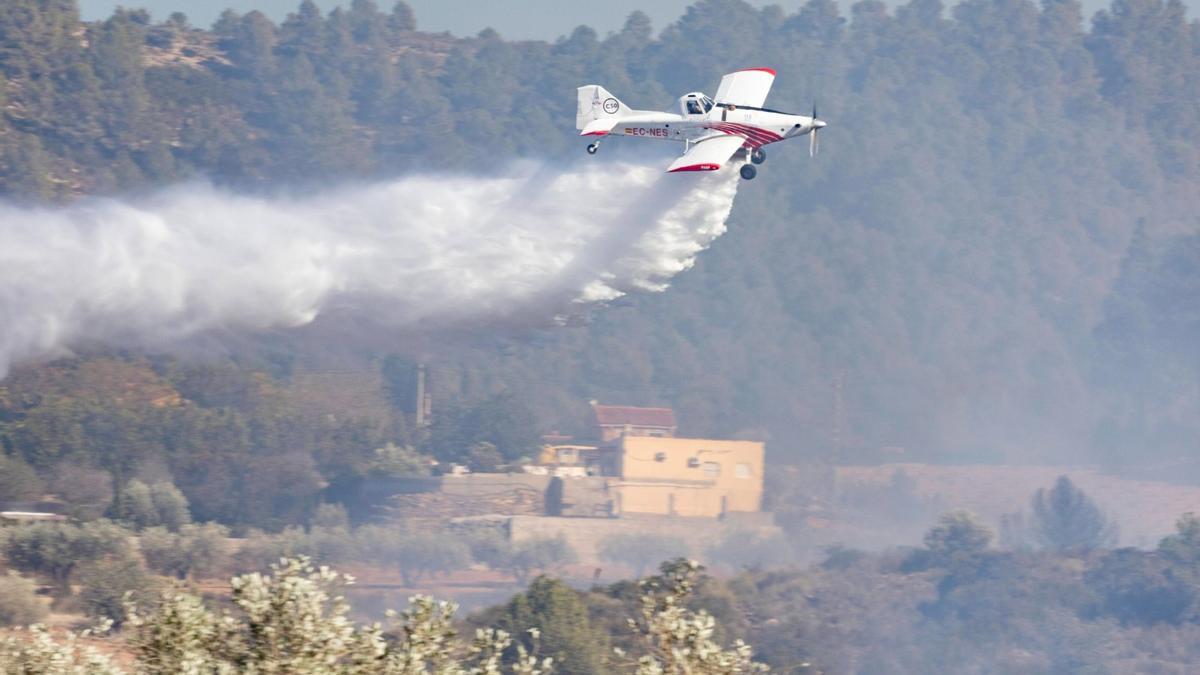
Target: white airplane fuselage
{"x":759,"y":127}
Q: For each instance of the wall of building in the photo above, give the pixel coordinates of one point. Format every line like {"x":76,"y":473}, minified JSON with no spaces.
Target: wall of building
{"x":689,"y":476}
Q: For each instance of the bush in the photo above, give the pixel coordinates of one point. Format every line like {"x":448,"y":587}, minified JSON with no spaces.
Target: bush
{"x":393,"y":461}
{"x":640,"y":550}
{"x":196,"y":550}
{"x":331,"y":544}
{"x":484,"y":458}
{"x":54,"y":549}
{"x":331,"y":516}
{"x":259,"y":551}
{"x":488,"y":546}
{"x":539,"y":555}
{"x":294,"y":621}
{"x":416,"y":554}
{"x":108,"y":584}
{"x":19,"y":604}
{"x":741,"y":549}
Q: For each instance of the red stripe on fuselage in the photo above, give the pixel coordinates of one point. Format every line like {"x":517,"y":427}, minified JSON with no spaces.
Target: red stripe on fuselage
{"x":757,"y":132}
{"x":755,"y":135}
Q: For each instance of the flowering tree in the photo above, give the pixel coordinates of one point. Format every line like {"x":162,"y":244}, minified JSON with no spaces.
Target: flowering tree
{"x":679,"y":640}
{"x":292,"y":621}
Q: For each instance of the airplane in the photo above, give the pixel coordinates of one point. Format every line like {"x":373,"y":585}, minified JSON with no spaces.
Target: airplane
{"x":714,"y":131}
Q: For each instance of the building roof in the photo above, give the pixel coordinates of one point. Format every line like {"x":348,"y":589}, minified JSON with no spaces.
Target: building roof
{"x":620,"y":416}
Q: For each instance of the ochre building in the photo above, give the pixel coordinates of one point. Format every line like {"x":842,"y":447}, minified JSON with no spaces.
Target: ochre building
{"x":696,"y":477}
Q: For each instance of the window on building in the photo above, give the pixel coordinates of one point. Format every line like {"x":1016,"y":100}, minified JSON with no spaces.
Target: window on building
{"x":712,"y":469}
{"x":742,"y":470}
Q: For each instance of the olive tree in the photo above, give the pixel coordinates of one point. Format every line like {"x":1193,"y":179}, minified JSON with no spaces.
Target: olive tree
{"x":294,"y":621}
{"x":198,"y":550}
{"x":55,"y":549}
{"x":641,"y":550}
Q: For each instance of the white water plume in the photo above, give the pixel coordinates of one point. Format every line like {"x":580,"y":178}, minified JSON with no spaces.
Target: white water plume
{"x":428,"y":250}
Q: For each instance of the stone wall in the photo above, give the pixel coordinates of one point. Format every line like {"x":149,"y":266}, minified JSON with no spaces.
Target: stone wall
{"x":586,"y":534}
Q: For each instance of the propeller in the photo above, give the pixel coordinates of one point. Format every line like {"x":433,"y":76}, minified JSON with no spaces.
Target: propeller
{"x":813,"y":146}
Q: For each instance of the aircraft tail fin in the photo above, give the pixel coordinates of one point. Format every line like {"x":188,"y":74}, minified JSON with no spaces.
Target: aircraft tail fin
{"x":596,"y":103}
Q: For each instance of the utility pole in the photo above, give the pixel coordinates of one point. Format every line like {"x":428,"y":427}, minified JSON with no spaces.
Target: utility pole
{"x":837,"y":423}
{"x":424,"y":400}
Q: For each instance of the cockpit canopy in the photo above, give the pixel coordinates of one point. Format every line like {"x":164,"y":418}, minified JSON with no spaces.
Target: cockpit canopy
{"x":695,"y":103}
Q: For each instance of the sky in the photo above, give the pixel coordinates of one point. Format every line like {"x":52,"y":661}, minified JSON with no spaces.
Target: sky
{"x":513,"y":19}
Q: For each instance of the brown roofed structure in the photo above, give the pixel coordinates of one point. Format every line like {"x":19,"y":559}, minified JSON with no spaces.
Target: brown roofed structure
{"x":614,"y":421}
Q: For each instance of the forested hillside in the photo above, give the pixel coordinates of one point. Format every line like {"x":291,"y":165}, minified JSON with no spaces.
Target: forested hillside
{"x":993,"y":259}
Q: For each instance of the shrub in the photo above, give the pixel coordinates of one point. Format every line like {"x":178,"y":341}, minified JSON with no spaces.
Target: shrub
{"x":197,"y":550}
{"x":539,"y":555}
{"x":259,"y":551}
{"x":742,"y":549}
{"x":641,"y":550}
{"x":19,"y":604}
{"x":108,"y":584}
{"x":293,"y":621}
{"x":331,"y":516}
{"x":54,"y":549}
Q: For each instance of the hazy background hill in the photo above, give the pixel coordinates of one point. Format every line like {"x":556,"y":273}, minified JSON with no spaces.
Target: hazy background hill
{"x":995,"y":257}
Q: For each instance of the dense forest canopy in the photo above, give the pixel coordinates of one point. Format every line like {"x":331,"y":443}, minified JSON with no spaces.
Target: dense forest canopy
{"x":993,"y":259}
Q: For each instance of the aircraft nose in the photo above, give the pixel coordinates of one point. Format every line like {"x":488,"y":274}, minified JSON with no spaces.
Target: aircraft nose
{"x":819,"y":124}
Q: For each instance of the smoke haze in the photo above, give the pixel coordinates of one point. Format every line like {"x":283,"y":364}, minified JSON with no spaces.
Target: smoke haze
{"x":434,"y":249}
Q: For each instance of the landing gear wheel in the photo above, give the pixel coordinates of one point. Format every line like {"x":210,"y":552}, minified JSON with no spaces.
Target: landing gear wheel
{"x":748,"y":172}
{"x":758,"y":156}
{"x":592,"y":148}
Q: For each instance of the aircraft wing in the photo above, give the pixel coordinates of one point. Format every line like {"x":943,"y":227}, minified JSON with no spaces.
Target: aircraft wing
{"x":747,"y":87}
{"x":709,"y":154}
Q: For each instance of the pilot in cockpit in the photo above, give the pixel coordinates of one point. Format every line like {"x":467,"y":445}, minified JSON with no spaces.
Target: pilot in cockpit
{"x":693,"y":107}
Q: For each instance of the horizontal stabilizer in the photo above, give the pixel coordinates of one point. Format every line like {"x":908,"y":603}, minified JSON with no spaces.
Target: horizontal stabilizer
{"x":599,"y":127}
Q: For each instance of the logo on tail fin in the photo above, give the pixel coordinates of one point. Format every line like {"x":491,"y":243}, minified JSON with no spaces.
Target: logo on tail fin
{"x":611,"y":106}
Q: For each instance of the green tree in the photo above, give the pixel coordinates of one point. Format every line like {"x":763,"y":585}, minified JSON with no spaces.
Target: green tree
{"x":417,"y":555}
{"x":136,"y":506}
{"x":1066,"y":519}
{"x":143,"y":506}
{"x":677,"y":639}
{"x":539,"y":555}
{"x":564,"y":630}
{"x":108,"y":584}
{"x":56,"y":549}
{"x":1183,"y":547}
{"x":957,"y":535}
{"x":331,"y":516}
{"x":503,"y":421}
{"x":194,"y":550}
{"x":18,"y":480}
